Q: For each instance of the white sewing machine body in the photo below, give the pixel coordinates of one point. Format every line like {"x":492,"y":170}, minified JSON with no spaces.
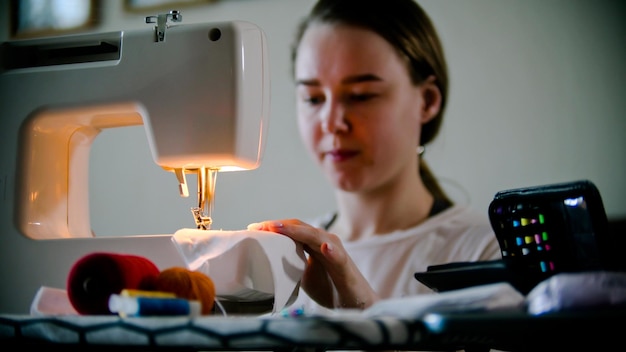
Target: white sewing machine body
{"x":201,"y":91}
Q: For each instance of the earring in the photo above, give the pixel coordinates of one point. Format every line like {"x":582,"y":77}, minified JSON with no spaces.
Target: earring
{"x":420,"y":150}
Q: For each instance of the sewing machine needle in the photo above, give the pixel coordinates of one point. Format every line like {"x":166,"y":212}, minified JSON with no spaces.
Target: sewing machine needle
{"x":206,"y":197}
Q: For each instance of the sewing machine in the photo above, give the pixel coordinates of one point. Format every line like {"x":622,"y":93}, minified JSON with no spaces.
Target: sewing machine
{"x":200,"y":90}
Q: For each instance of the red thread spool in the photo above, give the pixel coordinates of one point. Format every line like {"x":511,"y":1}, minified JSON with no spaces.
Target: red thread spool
{"x":94,"y":277}
{"x":192,"y":285}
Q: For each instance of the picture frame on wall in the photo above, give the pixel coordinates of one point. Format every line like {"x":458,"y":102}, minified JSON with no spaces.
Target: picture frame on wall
{"x":144,"y":5}
{"x":36,"y":18}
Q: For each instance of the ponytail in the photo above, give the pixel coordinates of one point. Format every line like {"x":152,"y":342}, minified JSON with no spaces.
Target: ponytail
{"x":431,"y":182}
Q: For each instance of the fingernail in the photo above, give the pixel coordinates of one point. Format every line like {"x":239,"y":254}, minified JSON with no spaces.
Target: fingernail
{"x":255,"y":226}
{"x":276,"y":224}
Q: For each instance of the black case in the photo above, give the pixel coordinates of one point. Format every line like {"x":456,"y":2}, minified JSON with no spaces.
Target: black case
{"x":541,"y":230}
{"x":544,"y":230}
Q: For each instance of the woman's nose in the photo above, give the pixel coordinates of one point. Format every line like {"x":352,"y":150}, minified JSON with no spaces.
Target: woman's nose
{"x":334,"y":119}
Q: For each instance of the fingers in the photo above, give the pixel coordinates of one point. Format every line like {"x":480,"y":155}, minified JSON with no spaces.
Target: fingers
{"x":330,"y":252}
{"x":317,"y":241}
{"x":330,"y":267}
{"x":263,"y":226}
{"x":296,"y":229}
{"x":317,"y":283}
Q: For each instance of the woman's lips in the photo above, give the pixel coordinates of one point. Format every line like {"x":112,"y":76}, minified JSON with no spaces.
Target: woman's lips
{"x":339,"y":155}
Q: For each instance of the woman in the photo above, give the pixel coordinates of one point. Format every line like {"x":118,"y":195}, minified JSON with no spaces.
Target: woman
{"x":371,"y":87}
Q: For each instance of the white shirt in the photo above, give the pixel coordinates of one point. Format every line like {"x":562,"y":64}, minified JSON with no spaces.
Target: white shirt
{"x":389,"y":262}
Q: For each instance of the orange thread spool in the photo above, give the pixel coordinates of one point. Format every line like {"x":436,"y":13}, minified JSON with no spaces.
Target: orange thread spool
{"x":188,"y":284}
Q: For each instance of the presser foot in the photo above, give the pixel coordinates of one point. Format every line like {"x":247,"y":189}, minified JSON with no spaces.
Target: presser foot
{"x":203,"y":222}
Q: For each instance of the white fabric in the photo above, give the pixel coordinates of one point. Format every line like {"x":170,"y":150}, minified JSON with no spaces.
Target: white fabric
{"x":388,"y":262}
{"x":571,"y":291}
{"x":488,"y":297}
{"x":245,"y":265}
{"x":52,"y":301}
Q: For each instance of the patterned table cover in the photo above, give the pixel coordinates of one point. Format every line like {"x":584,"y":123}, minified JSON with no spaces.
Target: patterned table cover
{"x":502,"y":330}
{"x":215,"y":332}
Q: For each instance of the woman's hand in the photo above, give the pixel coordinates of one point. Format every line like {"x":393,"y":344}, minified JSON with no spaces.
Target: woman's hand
{"x":330,"y":278}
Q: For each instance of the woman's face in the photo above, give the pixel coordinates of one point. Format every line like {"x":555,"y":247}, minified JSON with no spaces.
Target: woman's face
{"x":359,"y":115}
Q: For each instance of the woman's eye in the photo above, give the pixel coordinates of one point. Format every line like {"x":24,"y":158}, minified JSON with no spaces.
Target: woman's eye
{"x":361,"y":97}
{"x":313,"y":100}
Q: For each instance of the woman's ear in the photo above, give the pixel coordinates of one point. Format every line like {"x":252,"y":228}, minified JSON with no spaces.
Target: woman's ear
{"x":431,"y":96}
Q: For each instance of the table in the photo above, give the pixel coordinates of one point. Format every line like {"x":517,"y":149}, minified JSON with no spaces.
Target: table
{"x":211,"y":333}
{"x":472,"y":331}
{"x":590,"y":330}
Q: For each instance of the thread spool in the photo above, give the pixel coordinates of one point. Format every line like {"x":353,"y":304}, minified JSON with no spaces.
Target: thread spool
{"x":185,"y":283}
{"x":143,"y":306}
{"x":94,"y":277}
